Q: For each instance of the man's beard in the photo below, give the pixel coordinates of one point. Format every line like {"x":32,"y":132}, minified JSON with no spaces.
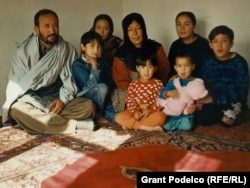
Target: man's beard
{"x":46,"y":39}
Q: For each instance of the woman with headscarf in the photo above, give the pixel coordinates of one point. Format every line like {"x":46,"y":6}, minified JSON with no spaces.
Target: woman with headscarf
{"x":135,"y":43}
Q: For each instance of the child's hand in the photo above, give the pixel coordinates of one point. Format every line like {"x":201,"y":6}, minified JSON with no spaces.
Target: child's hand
{"x":191,"y":109}
{"x":145,"y":114}
{"x":137,"y":115}
{"x":160,"y":107}
{"x":142,"y":114}
{"x":173,"y":94}
{"x":205,"y":100}
{"x":92,"y":61}
{"x":173,"y":77}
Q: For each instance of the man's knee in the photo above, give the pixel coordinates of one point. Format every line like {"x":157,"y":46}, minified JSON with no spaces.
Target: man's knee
{"x":85,"y":106}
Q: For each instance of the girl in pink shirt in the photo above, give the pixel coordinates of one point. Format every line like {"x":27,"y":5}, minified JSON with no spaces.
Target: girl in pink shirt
{"x":141,"y":111}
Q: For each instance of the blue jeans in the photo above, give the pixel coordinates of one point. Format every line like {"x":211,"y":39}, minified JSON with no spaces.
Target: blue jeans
{"x":109,"y":111}
{"x":98,"y":94}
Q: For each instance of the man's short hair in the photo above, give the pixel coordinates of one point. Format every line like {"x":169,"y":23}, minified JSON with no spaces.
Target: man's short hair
{"x":43,"y":12}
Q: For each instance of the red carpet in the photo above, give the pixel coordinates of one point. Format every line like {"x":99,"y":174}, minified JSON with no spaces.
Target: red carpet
{"x":103,"y":169}
{"x":235,"y":136}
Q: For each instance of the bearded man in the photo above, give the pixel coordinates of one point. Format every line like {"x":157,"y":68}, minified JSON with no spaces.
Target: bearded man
{"x":41,"y":90}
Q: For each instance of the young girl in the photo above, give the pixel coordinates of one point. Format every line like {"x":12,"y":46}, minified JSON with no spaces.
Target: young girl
{"x":226,"y":76}
{"x":141,"y":110}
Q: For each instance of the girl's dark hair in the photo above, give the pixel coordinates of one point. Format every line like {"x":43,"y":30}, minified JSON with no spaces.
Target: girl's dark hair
{"x":187,"y":13}
{"x":104,"y":17}
{"x":221,"y":29}
{"x":90,"y":36}
{"x":127,"y":21}
{"x":141,"y":59}
{"x":43,"y":12}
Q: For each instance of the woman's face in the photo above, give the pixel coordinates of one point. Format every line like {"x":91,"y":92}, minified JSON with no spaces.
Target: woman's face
{"x":135,"y":34}
{"x":102,"y":27}
{"x":184,"y":27}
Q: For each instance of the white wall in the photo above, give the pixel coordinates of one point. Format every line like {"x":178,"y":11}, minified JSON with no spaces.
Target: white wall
{"x":76,"y":17}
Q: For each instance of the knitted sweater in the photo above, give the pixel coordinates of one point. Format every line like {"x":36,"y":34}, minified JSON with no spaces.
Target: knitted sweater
{"x":227,"y":81}
{"x":199,"y":50}
{"x":143,"y":95}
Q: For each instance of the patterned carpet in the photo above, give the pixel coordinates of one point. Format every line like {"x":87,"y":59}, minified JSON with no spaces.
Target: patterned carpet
{"x":27,"y":159}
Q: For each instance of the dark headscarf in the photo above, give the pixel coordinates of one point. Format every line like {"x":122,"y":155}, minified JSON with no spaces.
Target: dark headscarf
{"x":128,"y":52}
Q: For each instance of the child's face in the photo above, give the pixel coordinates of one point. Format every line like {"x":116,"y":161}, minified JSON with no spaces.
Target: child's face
{"x":102,"y":27}
{"x":184,"y":27}
{"x":221,"y":46}
{"x":92,"y":49}
{"x":146,"y":72}
{"x":184,"y":67}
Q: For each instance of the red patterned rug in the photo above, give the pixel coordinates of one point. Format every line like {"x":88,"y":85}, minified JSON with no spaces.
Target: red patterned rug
{"x":27,"y":159}
{"x":238,"y":136}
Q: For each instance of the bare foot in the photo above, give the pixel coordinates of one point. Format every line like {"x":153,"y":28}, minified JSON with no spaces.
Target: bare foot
{"x":124,"y":128}
{"x":149,"y":128}
{"x":100,"y":119}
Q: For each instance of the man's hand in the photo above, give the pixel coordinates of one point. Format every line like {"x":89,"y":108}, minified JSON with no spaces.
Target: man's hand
{"x":56,"y":106}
